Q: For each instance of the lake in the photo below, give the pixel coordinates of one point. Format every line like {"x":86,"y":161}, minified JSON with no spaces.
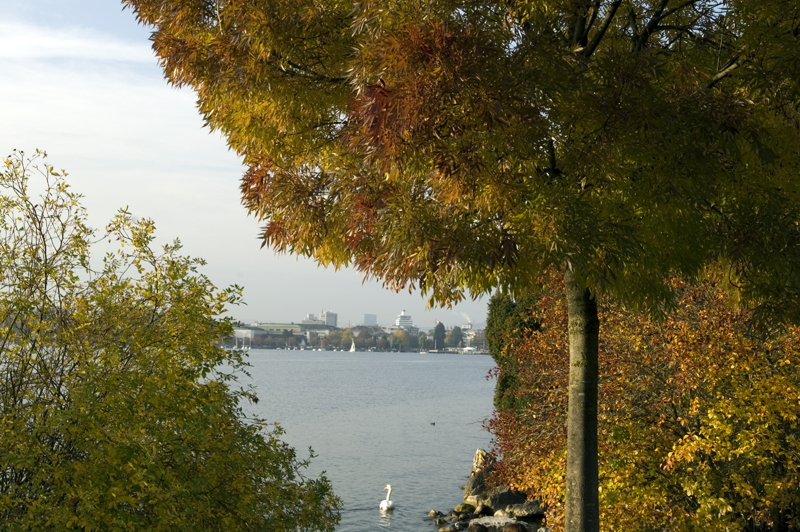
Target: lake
{"x":406,"y":419}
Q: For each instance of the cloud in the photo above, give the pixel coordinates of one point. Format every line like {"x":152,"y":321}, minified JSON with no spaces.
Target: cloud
{"x":23,"y":41}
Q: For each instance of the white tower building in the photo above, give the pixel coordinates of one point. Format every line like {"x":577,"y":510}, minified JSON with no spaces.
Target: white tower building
{"x":404,"y":320}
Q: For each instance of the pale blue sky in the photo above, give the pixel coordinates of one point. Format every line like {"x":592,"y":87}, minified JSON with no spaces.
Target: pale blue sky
{"x":79,"y":81}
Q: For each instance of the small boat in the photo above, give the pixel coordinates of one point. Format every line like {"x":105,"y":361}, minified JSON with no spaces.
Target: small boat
{"x":353,"y":347}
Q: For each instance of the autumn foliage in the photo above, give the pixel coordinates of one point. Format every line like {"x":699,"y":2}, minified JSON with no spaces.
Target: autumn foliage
{"x":119,"y":411}
{"x":698,"y":424}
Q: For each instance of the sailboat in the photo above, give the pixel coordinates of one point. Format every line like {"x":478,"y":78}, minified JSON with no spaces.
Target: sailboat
{"x":353,"y":346}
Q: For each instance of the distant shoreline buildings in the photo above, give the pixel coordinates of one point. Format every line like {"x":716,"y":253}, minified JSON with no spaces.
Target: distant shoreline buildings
{"x":329,"y":319}
{"x":322,"y":330}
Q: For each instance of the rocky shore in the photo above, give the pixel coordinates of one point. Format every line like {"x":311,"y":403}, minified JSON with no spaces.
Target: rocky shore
{"x":490,"y":509}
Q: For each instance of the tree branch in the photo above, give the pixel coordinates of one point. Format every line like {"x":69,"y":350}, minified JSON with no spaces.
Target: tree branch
{"x":677,"y":8}
{"x":732,"y":65}
{"x":297,"y":69}
{"x":592,"y":18}
{"x":660,"y":14}
{"x":650,"y":27}
{"x":589,"y":49}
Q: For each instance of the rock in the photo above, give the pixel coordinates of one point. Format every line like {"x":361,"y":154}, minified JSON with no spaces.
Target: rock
{"x":440,"y":522}
{"x":476,"y":527}
{"x":465,"y":508}
{"x":435,"y":513}
{"x":496,"y":524}
{"x":515,"y":527}
{"x":479,"y":460}
{"x":476,"y":485}
{"x":498,"y":501}
{"x":526,"y":509}
{"x":483,"y":510}
{"x":543,"y":529}
{"x":501,"y":497}
{"x":449,"y":528}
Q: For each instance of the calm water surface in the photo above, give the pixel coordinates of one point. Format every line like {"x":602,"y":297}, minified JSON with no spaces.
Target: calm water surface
{"x":368,"y":418}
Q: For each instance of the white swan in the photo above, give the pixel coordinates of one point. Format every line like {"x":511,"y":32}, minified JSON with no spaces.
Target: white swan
{"x":387,"y":504}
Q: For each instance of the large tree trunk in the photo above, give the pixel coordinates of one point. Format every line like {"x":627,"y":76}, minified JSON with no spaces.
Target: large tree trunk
{"x":582,"y":504}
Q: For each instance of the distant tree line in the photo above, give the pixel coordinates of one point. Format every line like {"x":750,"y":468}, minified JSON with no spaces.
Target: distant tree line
{"x":369,"y":339}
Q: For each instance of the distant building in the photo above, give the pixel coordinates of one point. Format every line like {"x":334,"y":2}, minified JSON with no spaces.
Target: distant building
{"x":369,"y":319}
{"x":320,"y":333}
{"x":372,"y":330}
{"x":404,"y":320}
{"x":244,"y":334}
{"x":405,"y":323}
{"x":329,"y":318}
{"x":273,"y":328}
{"x":391,"y":329}
{"x":313,"y":319}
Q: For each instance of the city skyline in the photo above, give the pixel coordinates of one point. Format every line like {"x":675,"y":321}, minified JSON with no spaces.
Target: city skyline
{"x":360,"y":323}
{"x":81,"y":82}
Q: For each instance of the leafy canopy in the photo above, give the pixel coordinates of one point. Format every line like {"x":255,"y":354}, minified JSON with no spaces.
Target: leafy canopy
{"x":118,"y":411}
{"x":461,"y":146}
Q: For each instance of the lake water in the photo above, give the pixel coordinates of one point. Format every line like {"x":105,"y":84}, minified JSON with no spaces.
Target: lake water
{"x":368,"y":417}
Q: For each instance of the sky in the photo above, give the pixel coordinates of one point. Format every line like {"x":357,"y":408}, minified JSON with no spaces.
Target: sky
{"x":78,"y":80}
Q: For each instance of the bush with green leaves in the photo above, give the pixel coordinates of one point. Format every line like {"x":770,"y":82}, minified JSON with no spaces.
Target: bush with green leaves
{"x":118,"y":408}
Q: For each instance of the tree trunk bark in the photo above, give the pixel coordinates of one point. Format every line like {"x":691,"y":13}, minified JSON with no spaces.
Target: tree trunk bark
{"x":582,"y":503}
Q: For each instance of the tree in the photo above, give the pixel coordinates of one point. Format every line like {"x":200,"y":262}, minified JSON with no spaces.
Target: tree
{"x":119,"y":411}
{"x":439,"y":335}
{"x":462,"y":148}
{"x":454,"y":337}
{"x":287,"y":335}
{"x":698,"y":426}
{"x":347,"y":338}
{"x":422,"y":342}
{"x":400,"y":340}
{"x":479,"y":340}
{"x":334,"y":338}
{"x":507,"y":323}
{"x":413,"y":341}
{"x":382,"y":342}
{"x":364,"y":340}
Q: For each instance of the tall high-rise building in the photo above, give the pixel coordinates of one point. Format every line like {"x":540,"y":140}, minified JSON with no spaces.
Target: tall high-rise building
{"x":369,"y":319}
{"x":329,"y":318}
